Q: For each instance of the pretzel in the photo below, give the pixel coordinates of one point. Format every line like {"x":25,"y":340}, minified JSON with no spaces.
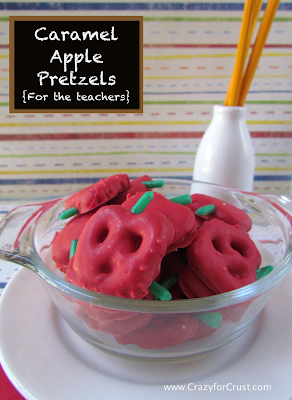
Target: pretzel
{"x":161,"y":332}
{"x":98,"y":194}
{"x":111,"y":321}
{"x":71,"y":231}
{"x":119,"y":253}
{"x":223,"y":211}
{"x":136,"y":186}
{"x":192,"y":285}
{"x":223,"y":256}
{"x":183,"y":220}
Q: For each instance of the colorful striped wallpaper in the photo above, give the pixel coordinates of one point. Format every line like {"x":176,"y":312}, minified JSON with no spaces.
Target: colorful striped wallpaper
{"x":189,"y":51}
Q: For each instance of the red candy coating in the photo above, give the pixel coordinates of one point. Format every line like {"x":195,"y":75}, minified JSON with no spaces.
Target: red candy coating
{"x":61,"y":267}
{"x":119,"y":253}
{"x":203,"y":331}
{"x":161,"y":332}
{"x":98,"y":194}
{"x":224,"y":211}
{"x":136,"y":186}
{"x":192,"y":285}
{"x":183,"y":220}
{"x":71,"y":231}
{"x":223,"y":256}
{"x":112,"y":321}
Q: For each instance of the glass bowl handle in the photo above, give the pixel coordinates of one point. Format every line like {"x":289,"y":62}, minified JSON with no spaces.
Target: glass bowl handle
{"x":15,"y":239}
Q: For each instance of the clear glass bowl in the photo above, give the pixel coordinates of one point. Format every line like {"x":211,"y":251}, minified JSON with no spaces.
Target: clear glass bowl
{"x":153,"y":329}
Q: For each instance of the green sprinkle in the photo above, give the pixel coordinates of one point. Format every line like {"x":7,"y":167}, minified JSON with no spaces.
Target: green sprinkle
{"x":212,"y":319}
{"x":69,"y":213}
{"x":261,"y":272}
{"x":142,"y":203}
{"x":209,"y":209}
{"x":159,"y":291}
{"x":184,"y":199}
{"x":154,"y":184}
{"x":73,"y":248}
{"x":167,"y":283}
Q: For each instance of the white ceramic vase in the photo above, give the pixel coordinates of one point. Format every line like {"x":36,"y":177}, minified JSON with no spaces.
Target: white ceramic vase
{"x":225,"y":155}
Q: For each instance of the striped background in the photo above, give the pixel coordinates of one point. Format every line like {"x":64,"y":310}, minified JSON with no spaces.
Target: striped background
{"x":189,"y":51}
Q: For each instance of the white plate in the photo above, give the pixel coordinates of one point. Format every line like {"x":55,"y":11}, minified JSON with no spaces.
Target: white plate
{"x":46,"y":360}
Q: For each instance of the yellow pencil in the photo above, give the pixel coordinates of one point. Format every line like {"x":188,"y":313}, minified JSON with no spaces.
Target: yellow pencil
{"x":261,"y":38}
{"x":242,"y":50}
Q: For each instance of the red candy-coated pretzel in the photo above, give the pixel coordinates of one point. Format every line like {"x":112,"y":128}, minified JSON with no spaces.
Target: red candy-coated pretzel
{"x":192,"y":285}
{"x":119,"y":253}
{"x":161,"y":332}
{"x":111,"y":321}
{"x":98,"y":194}
{"x":71,"y":231}
{"x":223,"y":256}
{"x":183,"y":220}
{"x":203,"y":331}
{"x":136,"y":186}
{"x":223,"y":211}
